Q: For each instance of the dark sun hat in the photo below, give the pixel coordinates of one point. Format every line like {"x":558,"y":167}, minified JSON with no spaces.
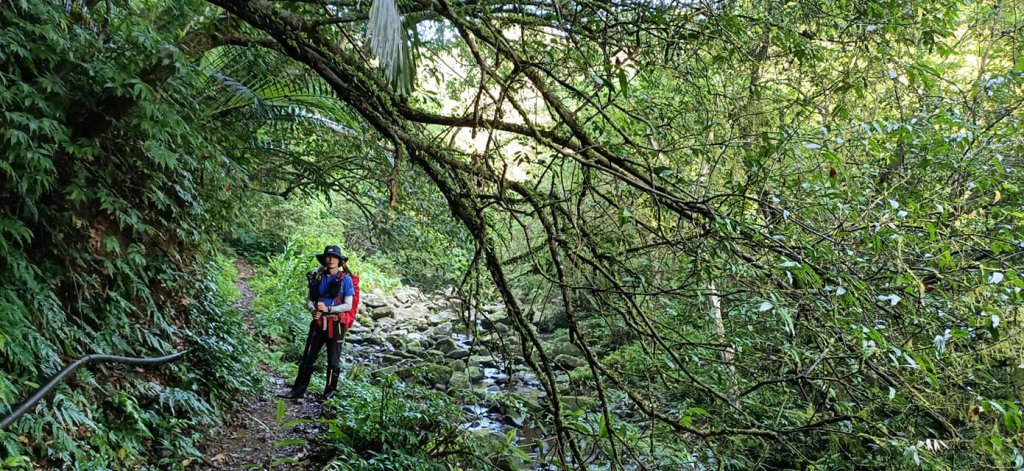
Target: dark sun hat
{"x":331,"y":250}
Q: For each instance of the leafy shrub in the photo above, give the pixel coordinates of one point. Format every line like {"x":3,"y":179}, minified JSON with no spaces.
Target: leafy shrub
{"x":391,"y":426}
{"x":108,"y":194}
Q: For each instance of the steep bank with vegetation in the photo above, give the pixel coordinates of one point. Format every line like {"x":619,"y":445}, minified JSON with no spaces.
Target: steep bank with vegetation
{"x":109,"y":189}
{"x":751,"y":235}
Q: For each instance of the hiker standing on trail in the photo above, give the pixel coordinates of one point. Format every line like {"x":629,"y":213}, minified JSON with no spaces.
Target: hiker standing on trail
{"x":333,"y":299}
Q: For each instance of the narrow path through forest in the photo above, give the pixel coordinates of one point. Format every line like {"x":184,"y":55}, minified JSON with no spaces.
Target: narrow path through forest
{"x":252,"y":437}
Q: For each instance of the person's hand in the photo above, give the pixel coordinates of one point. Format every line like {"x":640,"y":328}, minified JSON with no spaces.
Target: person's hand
{"x":320,"y":306}
{"x":316,"y":316}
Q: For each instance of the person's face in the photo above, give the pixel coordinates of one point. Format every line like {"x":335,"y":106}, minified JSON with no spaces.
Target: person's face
{"x":333,"y":262}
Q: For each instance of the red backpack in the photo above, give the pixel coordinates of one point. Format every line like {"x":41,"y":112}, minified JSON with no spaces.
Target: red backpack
{"x":349,"y":317}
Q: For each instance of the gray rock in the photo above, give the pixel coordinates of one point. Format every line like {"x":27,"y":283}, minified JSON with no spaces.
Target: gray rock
{"x":569,"y":362}
{"x":382,"y":312}
{"x":457,"y":354}
{"x":426,"y":343}
{"x":458,"y":381}
{"x":358,"y":329}
{"x":392,"y":359}
{"x":484,"y":361}
{"x":440,"y":317}
{"x":561,"y":348}
{"x":446,"y":345}
{"x":427,"y":374}
{"x":495,"y":307}
{"x":397,"y":340}
{"x":372,"y":300}
{"x":530,"y":399}
{"x":457,"y":365}
{"x":408,"y":295}
{"x":365,"y":339}
{"x":443,"y":329}
{"x":433,"y":356}
{"x":404,"y":354}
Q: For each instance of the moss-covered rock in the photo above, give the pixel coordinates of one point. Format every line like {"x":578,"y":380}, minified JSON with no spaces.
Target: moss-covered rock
{"x":475,"y":373}
{"x":427,"y":374}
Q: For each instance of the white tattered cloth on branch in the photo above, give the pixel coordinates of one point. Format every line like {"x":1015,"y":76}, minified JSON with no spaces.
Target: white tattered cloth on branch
{"x":387,"y":42}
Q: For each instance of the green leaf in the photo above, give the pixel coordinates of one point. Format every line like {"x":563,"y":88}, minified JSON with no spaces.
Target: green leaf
{"x":624,"y":216}
{"x":294,"y":422}
{"x":288,"y":442}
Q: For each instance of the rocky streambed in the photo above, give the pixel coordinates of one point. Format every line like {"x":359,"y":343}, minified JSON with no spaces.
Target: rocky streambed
{"x":422,"y":340}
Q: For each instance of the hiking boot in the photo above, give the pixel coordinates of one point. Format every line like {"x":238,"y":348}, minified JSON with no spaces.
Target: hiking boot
{"x":290,"y":395}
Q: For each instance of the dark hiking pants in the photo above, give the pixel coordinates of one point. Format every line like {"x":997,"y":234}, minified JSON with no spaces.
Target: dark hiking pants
{"x":316,"y":339}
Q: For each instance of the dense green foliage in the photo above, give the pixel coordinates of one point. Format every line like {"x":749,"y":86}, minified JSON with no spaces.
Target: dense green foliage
{"x":104,"y":235}
{"x":775,"y":234}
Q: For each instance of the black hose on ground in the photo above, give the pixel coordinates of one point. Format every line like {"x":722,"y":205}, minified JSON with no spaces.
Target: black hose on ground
{"x":93,"y":358}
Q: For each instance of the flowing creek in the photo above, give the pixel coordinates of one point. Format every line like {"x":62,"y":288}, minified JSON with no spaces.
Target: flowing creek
{"x":396,"y":334}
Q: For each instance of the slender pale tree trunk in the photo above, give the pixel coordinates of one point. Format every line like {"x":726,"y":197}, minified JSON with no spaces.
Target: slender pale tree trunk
{"x":728,"y":353}
{"x":714,"y":300}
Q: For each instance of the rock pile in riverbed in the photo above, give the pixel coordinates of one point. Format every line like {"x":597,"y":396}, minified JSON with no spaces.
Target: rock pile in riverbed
{"x":422,"y":340}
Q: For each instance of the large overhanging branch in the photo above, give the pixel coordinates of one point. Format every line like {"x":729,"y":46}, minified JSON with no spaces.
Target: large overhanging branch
{"x":356,"y":83}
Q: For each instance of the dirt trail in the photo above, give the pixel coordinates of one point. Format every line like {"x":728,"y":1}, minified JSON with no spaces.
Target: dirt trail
{"x":249,"y":436}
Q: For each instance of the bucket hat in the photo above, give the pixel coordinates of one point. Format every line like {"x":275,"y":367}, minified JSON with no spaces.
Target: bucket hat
{"x":331,"y":250}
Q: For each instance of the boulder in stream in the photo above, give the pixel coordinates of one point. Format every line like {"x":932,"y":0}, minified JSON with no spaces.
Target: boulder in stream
{"x":475,"y":373}
{"x":485,"y":361}
{"x":459,"y":381}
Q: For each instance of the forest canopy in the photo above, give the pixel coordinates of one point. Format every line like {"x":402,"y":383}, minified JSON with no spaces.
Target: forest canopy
{"x":776,"y":234}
